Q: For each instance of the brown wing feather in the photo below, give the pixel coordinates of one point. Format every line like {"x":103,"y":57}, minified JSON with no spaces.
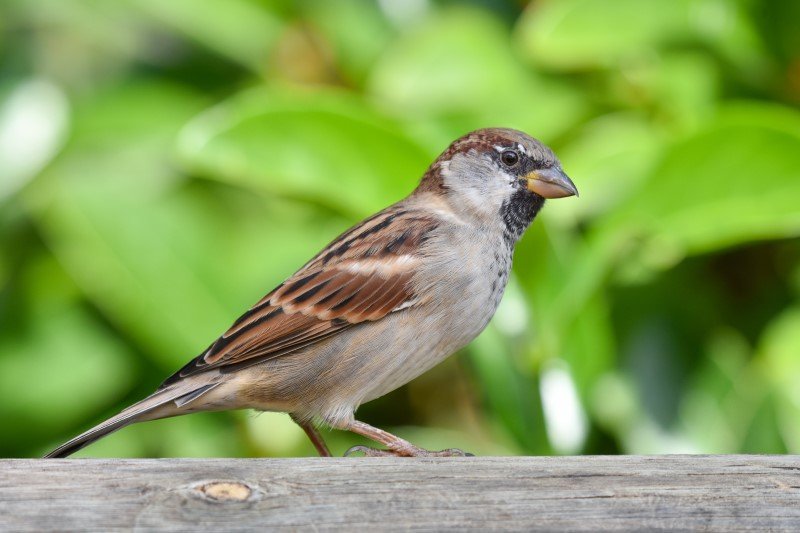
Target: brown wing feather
{"x":362,"y":275}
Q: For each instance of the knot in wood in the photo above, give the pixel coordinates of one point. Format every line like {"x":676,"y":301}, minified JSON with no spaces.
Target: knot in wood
{"x":226,"y":491}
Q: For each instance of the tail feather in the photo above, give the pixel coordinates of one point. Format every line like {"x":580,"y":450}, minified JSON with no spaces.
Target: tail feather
{"x":151,"y":408}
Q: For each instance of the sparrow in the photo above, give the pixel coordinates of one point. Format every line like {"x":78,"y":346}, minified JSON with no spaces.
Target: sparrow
{"x":384,"y":302}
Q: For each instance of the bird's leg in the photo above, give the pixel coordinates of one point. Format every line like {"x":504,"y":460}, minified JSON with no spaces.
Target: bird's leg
{"x":396,"y":446}
{"x":314,"y":436}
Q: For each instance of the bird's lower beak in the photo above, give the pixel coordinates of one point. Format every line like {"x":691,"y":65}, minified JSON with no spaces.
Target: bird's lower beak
{"x":551,"y":183}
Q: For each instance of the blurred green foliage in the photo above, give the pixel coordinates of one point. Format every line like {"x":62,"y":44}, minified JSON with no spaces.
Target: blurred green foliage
{"x":165,"y":163}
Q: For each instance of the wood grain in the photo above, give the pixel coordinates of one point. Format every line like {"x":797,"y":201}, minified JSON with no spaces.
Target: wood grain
{"x":521,"y":493}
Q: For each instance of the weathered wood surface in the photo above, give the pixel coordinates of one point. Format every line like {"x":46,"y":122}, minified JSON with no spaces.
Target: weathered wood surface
{"x":530,"y":493}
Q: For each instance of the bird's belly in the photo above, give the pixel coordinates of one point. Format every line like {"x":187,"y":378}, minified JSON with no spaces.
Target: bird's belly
{"x":332,"y":379}
{"x":412,"y":362}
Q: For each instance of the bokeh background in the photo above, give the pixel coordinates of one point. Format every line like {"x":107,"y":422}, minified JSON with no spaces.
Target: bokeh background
{"x":165,"y":163}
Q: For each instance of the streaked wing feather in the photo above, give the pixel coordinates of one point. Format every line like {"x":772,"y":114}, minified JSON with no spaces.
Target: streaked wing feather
{"x":361,"y":276}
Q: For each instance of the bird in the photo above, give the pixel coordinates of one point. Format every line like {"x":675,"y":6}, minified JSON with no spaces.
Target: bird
{"x":384,"y":302}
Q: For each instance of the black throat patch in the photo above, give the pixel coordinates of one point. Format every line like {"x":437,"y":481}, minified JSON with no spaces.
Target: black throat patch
{"x":518,"y":212}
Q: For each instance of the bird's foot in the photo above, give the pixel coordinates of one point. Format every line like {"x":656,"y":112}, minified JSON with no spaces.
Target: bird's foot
{"x":406,"y":451}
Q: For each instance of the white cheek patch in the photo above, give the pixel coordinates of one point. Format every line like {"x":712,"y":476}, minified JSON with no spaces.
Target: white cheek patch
{"x":478,"y":184}
{"x":476,"y":197}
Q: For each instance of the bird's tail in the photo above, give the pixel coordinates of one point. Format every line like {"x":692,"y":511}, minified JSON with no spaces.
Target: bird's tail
{"x":161,"y":404}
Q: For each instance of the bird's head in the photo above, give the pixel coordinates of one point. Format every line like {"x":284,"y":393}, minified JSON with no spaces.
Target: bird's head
{"x":498,"y":171}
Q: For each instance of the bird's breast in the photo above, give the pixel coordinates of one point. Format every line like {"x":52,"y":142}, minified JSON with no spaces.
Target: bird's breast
{"x":459,"y":291}
{"x":464,"y":285}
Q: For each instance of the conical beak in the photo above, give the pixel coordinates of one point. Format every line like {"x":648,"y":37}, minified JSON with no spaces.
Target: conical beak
{"x":551,"y":183}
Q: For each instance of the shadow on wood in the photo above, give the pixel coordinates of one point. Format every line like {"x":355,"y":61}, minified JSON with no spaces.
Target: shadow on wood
{"x":588,"y":493}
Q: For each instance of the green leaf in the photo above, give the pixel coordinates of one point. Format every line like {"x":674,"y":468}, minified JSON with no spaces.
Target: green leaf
{"x":171,"y":263}
{"x":33,"y":124}
{"x":576,"y":34}
{"x":324,"y":146}
{"x":625,"y":35}
{"x":716,"y":408}
{"x":678,"y":89}
{"x":685,"y":86}
{"x":457,"y":60}
{"x":607,"y":158}
{"x":511,"y":396}
{"x":778,"y":354}
{"x":62,"y":353}
{"x":734,"y":181}
{"x":764,"y":434}
{"x":356,"y":32}
{"x":589,"y":346}
{"x":242,"y":30}
{"x":58,"y":363}
{"x":460,"y":67}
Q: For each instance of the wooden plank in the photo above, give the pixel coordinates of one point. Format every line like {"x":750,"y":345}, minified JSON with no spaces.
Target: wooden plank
{"x":522,"y":493}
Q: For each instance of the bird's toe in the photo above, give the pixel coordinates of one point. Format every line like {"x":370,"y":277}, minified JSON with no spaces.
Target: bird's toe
{"x":369,"y":452}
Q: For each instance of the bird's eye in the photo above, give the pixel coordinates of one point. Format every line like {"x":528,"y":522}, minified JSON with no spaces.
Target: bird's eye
{"x":509,"y":158}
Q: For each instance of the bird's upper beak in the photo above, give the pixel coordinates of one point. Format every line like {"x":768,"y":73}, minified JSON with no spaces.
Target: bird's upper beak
{"x":551,"y":183}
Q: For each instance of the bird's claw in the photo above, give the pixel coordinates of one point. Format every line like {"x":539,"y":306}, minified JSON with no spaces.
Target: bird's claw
{"x":406,"y":452}
{"x":453,"y":452}
{"x":369,"y":452}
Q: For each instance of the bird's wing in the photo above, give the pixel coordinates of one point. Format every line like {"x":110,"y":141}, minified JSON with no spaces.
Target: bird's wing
{"x":363,"y":275}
